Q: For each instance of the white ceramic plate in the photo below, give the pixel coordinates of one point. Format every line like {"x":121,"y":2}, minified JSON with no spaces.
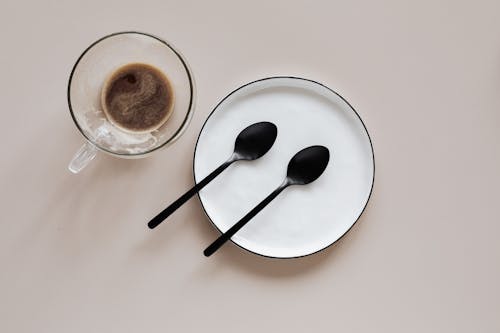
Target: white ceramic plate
{"x":303,"y":219}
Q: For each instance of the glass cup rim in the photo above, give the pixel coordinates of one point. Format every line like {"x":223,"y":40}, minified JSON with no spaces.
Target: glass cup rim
{"x":182,"y":128}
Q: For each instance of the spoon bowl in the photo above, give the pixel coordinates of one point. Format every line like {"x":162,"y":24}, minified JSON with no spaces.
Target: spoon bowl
{"x":307,"y":165}
{"x":255,"y":140}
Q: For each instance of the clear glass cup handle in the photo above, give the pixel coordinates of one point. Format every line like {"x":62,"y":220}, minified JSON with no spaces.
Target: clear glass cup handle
{"x":82,"y":157}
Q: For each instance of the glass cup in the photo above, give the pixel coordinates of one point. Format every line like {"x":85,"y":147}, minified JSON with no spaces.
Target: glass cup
{"x":88,"y":76}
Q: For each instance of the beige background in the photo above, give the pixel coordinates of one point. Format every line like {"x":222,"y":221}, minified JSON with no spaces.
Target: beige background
{"x":76,"y":256}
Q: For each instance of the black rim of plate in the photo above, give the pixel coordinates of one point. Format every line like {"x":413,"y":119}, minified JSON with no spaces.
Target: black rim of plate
{"x":189,"y":113}
{"x":310,"y":81}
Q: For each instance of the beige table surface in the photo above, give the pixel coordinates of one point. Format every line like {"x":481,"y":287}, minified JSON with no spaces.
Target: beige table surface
{"x":76,"y":256}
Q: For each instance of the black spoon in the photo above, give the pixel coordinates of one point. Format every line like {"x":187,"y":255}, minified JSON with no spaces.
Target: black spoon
{"x":253,"y":142}
{"x":305,"y":167}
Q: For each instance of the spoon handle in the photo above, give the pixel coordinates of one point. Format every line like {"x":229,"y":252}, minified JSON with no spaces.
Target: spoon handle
{"x":228,"y":234}
{"x":186,"y":196}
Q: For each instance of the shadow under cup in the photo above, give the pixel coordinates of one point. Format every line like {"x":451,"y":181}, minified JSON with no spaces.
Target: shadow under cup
{"x":88,"y":76}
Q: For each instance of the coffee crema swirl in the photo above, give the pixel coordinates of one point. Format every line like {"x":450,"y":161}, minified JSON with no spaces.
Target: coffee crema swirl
{"x":137,"y":98}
